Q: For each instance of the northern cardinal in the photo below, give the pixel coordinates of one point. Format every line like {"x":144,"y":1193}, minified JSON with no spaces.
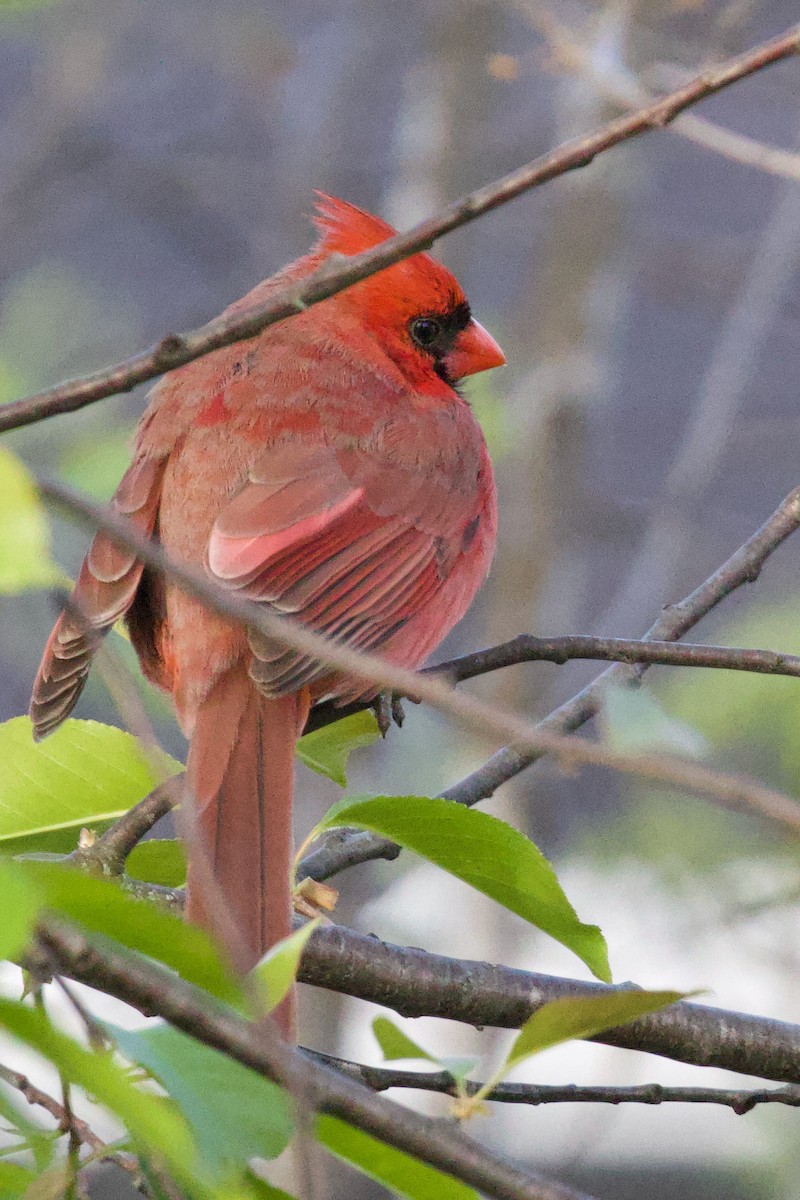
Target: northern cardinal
{"x":328,"y":468}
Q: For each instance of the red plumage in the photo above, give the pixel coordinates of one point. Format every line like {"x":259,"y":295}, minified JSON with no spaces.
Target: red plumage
{"x":326,"y":468}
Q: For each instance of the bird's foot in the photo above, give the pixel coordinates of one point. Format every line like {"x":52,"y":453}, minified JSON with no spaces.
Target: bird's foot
{"x":388,"y":711}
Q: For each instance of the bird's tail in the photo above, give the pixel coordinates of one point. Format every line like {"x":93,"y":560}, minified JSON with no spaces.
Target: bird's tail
{"x":241,"y":782}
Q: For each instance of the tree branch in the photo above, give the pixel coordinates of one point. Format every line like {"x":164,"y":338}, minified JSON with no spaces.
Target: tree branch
{"x":526,"y":648}
{"x":416,"y":983}
{"x":156,"y":991}
{"x":110,"y":852}
{"x":338,"y":273}
{"x":113,"y":847}
{"x":744,"y":566}
{"x":731,"y":791}
{"x":66,"y":1120}
{"x":613,"y":80}
{"x":741,"y":1101}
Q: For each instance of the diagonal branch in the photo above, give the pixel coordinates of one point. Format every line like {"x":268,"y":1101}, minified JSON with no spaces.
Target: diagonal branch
{"x":339,"y":273}
{"x":110,"y":852}
{"x":730,"y":791}
{"x":743,"y":566}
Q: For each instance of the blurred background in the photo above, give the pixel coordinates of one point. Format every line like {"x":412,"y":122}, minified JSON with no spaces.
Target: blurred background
{"x":157,"y":160}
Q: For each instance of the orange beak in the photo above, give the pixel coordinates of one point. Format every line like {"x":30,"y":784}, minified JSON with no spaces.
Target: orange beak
{"x":474,"y":350}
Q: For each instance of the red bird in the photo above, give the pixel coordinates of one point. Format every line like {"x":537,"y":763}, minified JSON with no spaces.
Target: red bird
{"x":328,"y":468}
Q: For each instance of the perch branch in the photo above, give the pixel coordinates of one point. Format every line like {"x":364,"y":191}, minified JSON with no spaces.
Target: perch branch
{"x":113,"y":847}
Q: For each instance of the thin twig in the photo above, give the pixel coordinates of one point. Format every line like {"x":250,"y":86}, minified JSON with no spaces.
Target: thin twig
{"x":740,"y":1100}
{"x":74,"y":1141}
{"x":82,"y":1130}
{"x":96,"y":1035}
{"x":338,"y":273}
{"x":617,"y":83}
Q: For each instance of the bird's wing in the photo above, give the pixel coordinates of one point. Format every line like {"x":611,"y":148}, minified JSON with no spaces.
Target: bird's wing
{"x":105,"y":590}
{"x":348,"y":543}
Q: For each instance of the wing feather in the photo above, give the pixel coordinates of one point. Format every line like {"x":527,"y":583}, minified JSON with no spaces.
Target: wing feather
{"x":106,"y":586}
{"x":349,"y":550}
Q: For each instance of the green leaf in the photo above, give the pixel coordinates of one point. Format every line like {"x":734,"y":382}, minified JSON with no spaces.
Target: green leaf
{"x":582,"y":1017}
{"x":261,"y":1190}
{"x":22,"y":900}
{"x":85,"y":773}
{"x":398,"y":1171}
{"x":150,"y":1120}
{"x":394,"y":1044}
{"x":102,"y":906}
{"x":565,"y":1019}
{"x":25,"y":560}
{"x":277,"y":970}
{"x":486,"y":853}
{"x":635,"y":722}
{"x":14,"y":1180}
{"x":234,"y":1113}
{"x":158,"y":860}
{"x":327,"y":750}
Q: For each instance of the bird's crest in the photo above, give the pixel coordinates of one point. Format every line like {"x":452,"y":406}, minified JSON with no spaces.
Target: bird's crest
{"x":345,"y":229}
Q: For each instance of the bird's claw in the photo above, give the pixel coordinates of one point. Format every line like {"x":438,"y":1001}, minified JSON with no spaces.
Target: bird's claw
{"x":388,"y":711}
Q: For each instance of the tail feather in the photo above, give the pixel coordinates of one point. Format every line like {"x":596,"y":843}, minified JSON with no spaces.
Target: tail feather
{"x":241,"y":778}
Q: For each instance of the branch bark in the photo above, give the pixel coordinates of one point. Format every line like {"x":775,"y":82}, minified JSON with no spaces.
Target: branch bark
{"x":338,"y":273}
{"x":158,"y":992}
{"x":526,"y":648}
{"x":416,"y":983}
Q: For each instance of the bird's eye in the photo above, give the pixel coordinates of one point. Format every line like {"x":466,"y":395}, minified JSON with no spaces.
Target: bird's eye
{"x":425,"y":331}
